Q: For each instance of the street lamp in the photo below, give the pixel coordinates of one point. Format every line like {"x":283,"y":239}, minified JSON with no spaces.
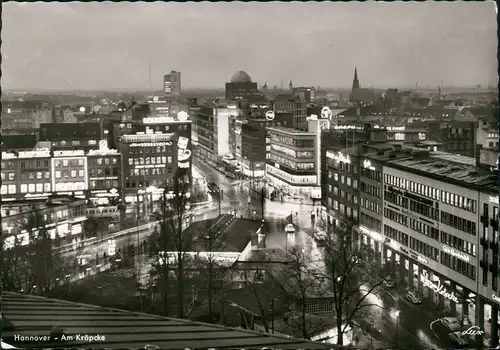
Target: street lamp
{"x":395,"y":315}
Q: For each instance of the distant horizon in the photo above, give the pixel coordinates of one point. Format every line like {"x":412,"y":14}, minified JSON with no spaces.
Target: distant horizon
{"x":222,"y":89}
{"x":59,"y":46}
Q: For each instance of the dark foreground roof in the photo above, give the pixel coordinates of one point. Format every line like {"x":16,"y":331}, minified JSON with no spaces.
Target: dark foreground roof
{"x":27,"y":315}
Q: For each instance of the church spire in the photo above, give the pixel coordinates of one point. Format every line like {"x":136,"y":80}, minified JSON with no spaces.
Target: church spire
{"x":355,"y":82}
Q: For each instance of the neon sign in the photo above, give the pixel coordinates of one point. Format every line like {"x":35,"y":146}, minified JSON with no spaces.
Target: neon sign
{"x":494,"y":200}
{"x":368,"y":165}
{"x":326,"y":113}
{"x":456,"y":254}
{"x":437,"y":288}
{"x":339,"y":157}
{"x":474,"y":330}
{"x":270,"y":115}
{"x":69,"y":153}
{"x":151,"y":144}
{"x":419,"y":258}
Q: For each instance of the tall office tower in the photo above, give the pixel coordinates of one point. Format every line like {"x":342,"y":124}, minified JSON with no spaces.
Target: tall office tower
{"x":172,"y":83}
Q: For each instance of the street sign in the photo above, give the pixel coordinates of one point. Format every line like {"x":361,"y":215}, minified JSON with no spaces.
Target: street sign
{"x":111,"y":247}
{"x":289,"y":218}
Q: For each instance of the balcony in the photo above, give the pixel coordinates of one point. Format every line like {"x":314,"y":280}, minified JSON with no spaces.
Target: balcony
{"x":494,"y":246}
{"x":494,"y":224}
{"x":493,"y":268}
{"x":484,"y":220}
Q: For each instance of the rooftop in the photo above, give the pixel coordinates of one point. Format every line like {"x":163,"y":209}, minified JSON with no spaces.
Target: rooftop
{"x":290,"y":131}
{"x":444,"y":167}
{"x":233,"y":234}
{"x":27,"y":315}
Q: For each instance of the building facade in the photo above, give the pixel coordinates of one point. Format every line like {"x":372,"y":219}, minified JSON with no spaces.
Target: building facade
{"x":154,"y":153}
{"x":286,"y":103}
{"x":241,"y":87}
{"x":70,"y":136}
{"x":172,"y":83}
{"x":292,"y":167}
{"x":432,"y":223}
{"x":63,"y":219}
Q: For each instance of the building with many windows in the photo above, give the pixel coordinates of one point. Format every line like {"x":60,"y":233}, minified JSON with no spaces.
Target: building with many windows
{"x":61,"y":216}
{"x":287,"y":103}
{"x":70,"y":136}
{"x":104,"y":174}
{"x":155,"y":152}
{"x":172,"y":83}
{"x":293,"y":165}
{"x":432,"y":221}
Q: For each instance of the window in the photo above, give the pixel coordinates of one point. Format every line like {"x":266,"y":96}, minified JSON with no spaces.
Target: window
{"x":39,"y":188}
{"x":31,"y":188}
{"x":24,"y":188}
{"x":65,"y":162}
{"x":12,"y":176}
{"x":73,"y":173}
{"x":58,"y":174}
{"x":46,"y":187}
{"x":80,"y":173}
{"x":39,"y":175}
{"x":46,"y":175}
{"x":12,"y":189}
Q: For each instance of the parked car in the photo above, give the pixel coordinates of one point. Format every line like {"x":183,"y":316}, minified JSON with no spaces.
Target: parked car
{"x":389,"y":283}
{"x":458,"y":338}
{"x":450,"y":323}
{"x":413,"y":297}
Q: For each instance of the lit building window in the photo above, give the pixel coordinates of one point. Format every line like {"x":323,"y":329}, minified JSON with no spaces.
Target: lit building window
{"x":31,"y":188}
{"x":46,"y":187}
{"x":24,"y":188}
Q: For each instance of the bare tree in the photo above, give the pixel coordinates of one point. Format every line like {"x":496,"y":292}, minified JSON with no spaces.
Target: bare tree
{"x":350,"y":274}
{"x":264,"y":294}
{"x":170,"y":246}
{"x":30,"y":263}
{"x":303,"y":285}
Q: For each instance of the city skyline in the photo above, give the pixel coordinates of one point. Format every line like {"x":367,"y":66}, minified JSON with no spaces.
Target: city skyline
{"x":58,"y":46}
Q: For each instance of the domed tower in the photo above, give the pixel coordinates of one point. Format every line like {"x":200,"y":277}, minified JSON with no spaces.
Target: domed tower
{"x":241,"y":87}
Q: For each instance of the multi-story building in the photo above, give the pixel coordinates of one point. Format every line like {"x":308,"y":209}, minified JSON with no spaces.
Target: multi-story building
{"x":25,"y":114}
{"x":167,"y":106}
{"x":26,"y":174}
{"x":154,"y":152}
{"x":104,"y":172}
{"x":287,"y":103}
{"x":293,"y":165}
{"x":10,"y":175}
{"x":172,"y":83}
{"x":69,"y":173}
{"x":215,"y":130}
{"x":455,"y":136}
{"x":70,"y":136}
{"x":62,"y":217}
{"x":304,"y":93}
{"x":241,"y":87}
{"x":439,"y":228}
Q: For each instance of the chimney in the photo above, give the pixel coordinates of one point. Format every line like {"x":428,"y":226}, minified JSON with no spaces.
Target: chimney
{"x":478,"y":155}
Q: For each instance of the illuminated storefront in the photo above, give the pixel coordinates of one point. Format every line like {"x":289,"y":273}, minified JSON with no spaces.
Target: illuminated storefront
{"x":63,"y":221}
